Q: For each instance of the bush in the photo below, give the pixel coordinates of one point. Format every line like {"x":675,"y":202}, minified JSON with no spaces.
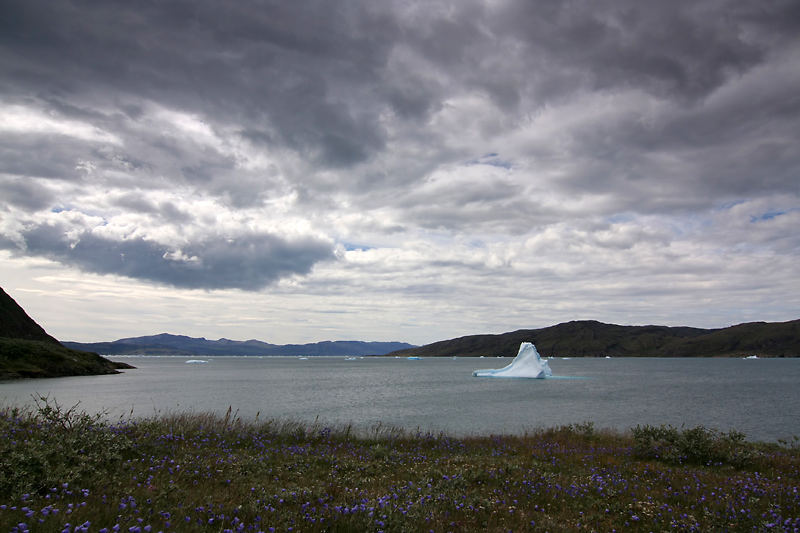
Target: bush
{"x":698,"y":445}
{"x":50,"y":446}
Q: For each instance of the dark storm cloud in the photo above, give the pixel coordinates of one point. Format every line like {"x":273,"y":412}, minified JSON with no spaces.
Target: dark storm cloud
{"x":166,"y":210}
{"x":135,"y":202}
{"x":291,"y":65}
{"x":303,"y":109}
{"x":318,"y":73}
{"x":40,"y":156}
{"x":675,"y":49}
{"x":26,"y":194}
{"x":248,"y":262}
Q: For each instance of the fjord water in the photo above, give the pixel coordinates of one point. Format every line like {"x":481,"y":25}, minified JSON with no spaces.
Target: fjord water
{"x":758,"y":397}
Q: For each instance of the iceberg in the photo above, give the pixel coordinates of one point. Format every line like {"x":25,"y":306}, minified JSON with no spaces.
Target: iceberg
{"x":195,"y":362}
{"x":527,"y":364}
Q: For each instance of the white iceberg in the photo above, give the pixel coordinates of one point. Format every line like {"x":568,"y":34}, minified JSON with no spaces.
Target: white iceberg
{"x":195,"y":362}
{"x":527,"y":364}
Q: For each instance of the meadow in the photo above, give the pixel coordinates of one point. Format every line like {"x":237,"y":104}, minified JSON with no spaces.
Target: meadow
{"x":65,"y":470}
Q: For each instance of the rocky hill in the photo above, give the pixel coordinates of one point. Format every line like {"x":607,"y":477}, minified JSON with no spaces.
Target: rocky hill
{"x":589,"y":338}
{"x":27,"y":351}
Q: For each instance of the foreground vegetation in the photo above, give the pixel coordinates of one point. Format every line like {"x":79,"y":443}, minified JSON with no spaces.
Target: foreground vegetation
{"x":64,"y":470}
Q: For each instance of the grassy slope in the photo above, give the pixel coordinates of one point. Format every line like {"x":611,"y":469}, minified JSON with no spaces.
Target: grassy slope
{"x":20,"y":358}
{"x":27,"y":351}
{"x":595,"y":339}
{"x":201,"y":473}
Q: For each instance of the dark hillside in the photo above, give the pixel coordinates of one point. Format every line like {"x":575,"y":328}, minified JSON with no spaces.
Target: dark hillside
{"x":27,"y":351}
{"x":16,"y":324}
{"x":589,"y":338}
{"x":776,"y":339}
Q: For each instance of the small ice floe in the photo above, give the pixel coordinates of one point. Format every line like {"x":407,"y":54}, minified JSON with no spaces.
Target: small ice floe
{"x":413,"y":358}
{"x":608,"y":357}
{"x":196,"y":362}
{"x":751,"y":357}
{"x":350,"y":358}
{"x":303,"y":358}
{"x":527,"y":364}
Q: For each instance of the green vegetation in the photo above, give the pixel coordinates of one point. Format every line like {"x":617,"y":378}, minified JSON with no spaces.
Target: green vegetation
{"x":20,"y":358}
{"x":27,"y":351}
{"x":589,"y":338}
{"x":65,"y":470}
{"x":697,"y":445}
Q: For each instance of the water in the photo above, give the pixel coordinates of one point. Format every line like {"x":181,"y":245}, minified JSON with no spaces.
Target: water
{"x":758,"y":397}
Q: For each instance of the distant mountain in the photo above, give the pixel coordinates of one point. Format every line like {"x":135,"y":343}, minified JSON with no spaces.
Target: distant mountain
{"x":27,"y":351}
{"x":166,"y":344}
{"x":589,"y":338}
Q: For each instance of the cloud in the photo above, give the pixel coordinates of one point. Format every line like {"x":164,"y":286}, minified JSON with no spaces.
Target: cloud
{"x":248,"y":262}
{"x":431,"y":148}
{"x":354,"y":97}
{"x":26,"y":194}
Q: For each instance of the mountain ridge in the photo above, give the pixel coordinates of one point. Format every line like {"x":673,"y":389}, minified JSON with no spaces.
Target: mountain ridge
{"x":169,"y":344}
{"x":590,"y":338}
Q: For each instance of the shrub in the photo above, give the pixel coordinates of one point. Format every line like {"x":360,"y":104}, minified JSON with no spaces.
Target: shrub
{"x":698,"y":445}
{"x":48,"y":446}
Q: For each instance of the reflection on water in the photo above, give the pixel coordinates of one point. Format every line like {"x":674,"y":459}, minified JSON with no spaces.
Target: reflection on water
{"x":760,"y":398}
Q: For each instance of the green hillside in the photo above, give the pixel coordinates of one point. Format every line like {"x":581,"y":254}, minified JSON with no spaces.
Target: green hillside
{"x":27,"y":351}
{"x":589,"y":338}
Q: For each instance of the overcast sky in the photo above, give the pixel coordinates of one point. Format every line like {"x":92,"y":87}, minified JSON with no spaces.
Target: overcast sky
{"x":414,"y":171}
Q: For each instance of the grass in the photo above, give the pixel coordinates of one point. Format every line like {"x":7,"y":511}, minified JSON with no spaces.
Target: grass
{"x":64,"y":470}
{"x":23,"y":358}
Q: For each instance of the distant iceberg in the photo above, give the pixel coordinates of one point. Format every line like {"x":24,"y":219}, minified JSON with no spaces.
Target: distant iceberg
{"x":195,"y":362}
{"x":527,"y":364}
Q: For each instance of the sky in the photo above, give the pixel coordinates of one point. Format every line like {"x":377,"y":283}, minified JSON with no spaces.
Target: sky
{"x":397,"y":170}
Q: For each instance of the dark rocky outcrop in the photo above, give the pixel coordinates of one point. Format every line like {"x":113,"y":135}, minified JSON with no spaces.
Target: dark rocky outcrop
{"x":27,"y":351}
{"x":589,"y":338}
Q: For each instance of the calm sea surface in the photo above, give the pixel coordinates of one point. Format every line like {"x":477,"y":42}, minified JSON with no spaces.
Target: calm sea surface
{"x":759,"y":397}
